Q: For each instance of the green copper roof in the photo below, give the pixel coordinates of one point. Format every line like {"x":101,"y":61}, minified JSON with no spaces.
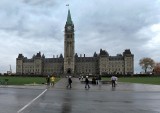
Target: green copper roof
{"x":69,"y":19}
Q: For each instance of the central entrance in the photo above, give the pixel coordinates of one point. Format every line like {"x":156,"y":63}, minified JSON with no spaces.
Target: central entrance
{"x":69,"y":71}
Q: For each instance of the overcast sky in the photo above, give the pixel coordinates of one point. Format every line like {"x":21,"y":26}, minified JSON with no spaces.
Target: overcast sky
{"x":30,"y":26}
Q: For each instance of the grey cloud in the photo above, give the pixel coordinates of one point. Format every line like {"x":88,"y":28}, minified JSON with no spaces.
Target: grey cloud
{"x":25,"y":19}
{"x":127,"y":17}
{"x":122,"y":22}
{"x":41,"y":3}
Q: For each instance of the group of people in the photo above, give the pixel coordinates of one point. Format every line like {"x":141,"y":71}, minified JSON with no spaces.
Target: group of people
{"x":50,"y":80}
{"x":80,"y":77}
{"x":97,"y":80}
{"x":69,"y":85}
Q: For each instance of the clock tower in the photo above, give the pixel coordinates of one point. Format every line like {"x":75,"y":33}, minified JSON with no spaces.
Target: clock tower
{"x":69,"y":60}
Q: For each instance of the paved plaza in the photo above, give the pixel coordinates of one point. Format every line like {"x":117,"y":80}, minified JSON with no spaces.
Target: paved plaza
{"x":125,"y":98}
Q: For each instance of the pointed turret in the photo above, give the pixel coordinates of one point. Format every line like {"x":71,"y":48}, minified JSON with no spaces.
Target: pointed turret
{"x":69,"y":19}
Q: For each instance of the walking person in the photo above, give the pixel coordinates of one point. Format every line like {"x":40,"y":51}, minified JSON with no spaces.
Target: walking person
{"x":48,"y":80}
{"x":113,"y":80}
{"x":87,"y":83}
{"x":93,"y":80}
{"x":99,"y":80}
{"x":82,"y":78}
{"x":52,"y":80}
{"x":69,"y":82}
{"x":116,"y":82}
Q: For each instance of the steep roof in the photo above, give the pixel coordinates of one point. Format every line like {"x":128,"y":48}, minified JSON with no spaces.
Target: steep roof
{"x":69,"y":19}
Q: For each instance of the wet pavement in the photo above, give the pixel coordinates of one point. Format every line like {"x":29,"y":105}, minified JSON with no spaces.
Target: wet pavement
{"x":125,"y":98}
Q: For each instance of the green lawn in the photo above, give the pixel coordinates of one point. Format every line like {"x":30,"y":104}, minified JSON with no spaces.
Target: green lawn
{"x":25,"y":80}
{"x":42,"y":80}
{"x":143,"y":80}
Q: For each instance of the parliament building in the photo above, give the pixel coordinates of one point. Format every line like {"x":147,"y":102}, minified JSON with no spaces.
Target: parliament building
{"x":100,"y":63}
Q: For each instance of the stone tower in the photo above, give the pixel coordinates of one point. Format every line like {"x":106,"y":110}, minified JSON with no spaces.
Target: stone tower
{"x":69,"y":59}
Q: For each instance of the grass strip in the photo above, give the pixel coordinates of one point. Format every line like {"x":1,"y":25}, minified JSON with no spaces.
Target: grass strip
{"x":142,"y":80}
{"x":25,"y":80}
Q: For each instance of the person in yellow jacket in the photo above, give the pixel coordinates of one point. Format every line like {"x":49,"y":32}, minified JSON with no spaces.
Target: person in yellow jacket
{"x":52,"y":80}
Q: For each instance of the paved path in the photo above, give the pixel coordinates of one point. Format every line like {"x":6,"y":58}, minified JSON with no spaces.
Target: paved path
{"x":125,"y":98}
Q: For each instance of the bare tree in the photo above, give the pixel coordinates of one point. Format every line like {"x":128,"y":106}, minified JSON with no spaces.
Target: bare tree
{"x":157,"y":68}
{"x":146,"y":64}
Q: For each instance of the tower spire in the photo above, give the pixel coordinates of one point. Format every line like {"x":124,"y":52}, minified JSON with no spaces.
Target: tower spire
{"x":69,"y":19}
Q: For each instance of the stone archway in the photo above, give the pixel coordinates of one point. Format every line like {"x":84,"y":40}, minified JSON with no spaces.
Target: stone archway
{"x":69,"y":71}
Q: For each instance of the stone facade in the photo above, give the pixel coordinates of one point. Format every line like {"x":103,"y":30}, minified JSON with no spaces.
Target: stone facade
{"x":71,"y":63}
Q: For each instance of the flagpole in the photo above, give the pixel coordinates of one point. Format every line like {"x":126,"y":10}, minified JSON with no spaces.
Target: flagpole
{"x":67,"y":6}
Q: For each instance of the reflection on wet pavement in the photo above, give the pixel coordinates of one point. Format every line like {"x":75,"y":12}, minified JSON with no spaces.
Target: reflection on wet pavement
{"x":125,"y":98}
{"x":67,"y":103}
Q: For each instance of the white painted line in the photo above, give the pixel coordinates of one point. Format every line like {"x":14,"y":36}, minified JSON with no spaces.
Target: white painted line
{"x":31,"y":101}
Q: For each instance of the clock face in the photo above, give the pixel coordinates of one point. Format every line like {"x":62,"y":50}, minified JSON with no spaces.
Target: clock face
{"x":69,"y":28}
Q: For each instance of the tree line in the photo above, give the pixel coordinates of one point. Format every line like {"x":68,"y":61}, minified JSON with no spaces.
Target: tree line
{"x":149,"y":66}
